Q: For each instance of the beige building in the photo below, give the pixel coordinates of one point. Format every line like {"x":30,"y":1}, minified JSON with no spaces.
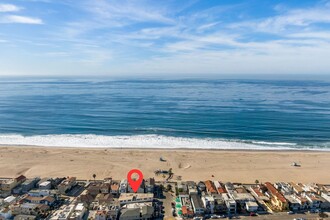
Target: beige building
{"x":126,"y":198}
{"x":66,"y":185}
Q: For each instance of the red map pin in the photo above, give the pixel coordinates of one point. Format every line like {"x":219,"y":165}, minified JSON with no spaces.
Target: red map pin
{"x":135,"y":184}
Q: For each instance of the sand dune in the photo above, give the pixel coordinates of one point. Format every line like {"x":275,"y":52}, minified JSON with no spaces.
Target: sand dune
{"x":236,"y":166}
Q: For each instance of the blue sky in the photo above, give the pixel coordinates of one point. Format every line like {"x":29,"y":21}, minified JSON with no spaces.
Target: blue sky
{"x":173,"y":37}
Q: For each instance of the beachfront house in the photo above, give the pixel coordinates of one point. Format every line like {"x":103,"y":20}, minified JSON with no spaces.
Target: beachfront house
{"x":10,"y":184}
{"x":150,"y":185}
{"x":114,"y":188}
{"x":294,"y":203}
{"x":220,"y":187}
{"x":197,"y":204}
{"x":66,"y":185}
{"x":29,"y":184}
{"x":251,"y":206}
{"x":139,"y":190}
{"x":210,"y":187}
{"x":123,"y":186}
{"x":278,"y":201}
{"x":230,"y":204}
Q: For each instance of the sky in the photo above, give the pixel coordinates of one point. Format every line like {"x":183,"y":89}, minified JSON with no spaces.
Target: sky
{"x":168,"y":37}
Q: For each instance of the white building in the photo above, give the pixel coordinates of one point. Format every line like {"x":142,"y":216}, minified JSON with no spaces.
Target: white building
{"x":78,"y":212}
{"x":123,"y":186}
{"x":63,"y":213}
{"x":45,"y":185}
{"x":39,"y":192}
{"x":251,"y":206}
{"x":126,"y":198}
{"x":208,"y":202}
{"x":230,"y":203}
{"x":10,"y":200}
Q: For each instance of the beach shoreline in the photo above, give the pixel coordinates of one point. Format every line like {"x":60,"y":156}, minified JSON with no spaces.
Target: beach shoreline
{"x":190,"y":164}
{"x":317,"y":150}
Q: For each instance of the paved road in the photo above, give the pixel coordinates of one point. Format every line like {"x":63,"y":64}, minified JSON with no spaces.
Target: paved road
{"x":167,"y":205}
{"x":284,"y":216}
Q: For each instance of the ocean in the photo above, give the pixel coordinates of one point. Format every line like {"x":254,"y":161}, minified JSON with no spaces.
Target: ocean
{"x":188,"y":113}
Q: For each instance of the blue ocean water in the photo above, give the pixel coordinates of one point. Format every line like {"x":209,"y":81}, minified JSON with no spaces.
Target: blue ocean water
{"x":189,"y":113}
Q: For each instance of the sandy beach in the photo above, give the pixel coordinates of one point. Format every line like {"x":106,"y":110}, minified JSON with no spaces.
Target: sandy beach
{"x":235,"y":166}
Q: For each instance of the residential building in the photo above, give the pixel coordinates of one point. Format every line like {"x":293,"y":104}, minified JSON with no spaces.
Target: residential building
{"x":94,"y":188}
{"x":10,"y":184}
{"x":208,"y":203}
{"x":192,"y":188}
{"x":187,"y":209}
{"x":126,"y":198}
{"x":78,"y":212}
{"x":230,"y":204}
{"x":47,"y":200}
{"x":146,"y":209}
{"x":105,"y":187}
{"x":210,"y":187}
{"x":201,"y":187}
{"x":45,"y":185}
{"x":104,"y":199}
{"x":114,"y":189}
{"x":130,"y":214}
{"x":66,"y":185}
{"x":294,"y":203}
{"x":314,"y":200}
{"x":9,"y":200}
{"x":220,"y":187}
{"x":28,"y":209}
{"x":63,"y":213}
{"x":150,"y":185}
{"x":297,"y":188}
{"x":197,"y":204}
{"x":139,"y":190}
{"x":123,"y":186}
{"x":5,"y":213}
{"x":251,"y":206}
{"x":29,"y":184}
{"x":278,"y":201}
{"x":25,"y":217}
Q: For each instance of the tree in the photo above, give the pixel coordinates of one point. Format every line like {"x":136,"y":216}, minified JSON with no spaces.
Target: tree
{"x":94,"y":176}
{"x":257,"y":182}
{"x":169,"y":187}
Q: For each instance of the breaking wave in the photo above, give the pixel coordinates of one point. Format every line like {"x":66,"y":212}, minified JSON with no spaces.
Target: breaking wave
{"x":147,"y":142}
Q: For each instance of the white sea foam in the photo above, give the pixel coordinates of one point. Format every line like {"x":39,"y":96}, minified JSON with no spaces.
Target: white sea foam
{"x":140,"y":141}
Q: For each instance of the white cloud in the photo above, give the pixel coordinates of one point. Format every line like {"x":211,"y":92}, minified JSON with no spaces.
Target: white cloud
{"x":8,"y":8}
{"x":291,"y":18}
{"x":20,"y":19}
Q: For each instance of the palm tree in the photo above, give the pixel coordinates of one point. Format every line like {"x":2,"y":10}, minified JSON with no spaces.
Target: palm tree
{"x":257,"y":182}
{"x":94,"y":176}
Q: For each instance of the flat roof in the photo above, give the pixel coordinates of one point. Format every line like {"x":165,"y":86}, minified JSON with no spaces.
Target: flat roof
{"x":197,"y":202}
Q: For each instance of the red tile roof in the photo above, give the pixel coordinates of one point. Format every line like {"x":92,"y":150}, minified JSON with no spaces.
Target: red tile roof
{"x":186,"y":211}
{"x":210,"y":186}
{"x":20,"y":178}
{"x":221,"y":189}
{"x":274,"y":192}
{"x":256,"y":190}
